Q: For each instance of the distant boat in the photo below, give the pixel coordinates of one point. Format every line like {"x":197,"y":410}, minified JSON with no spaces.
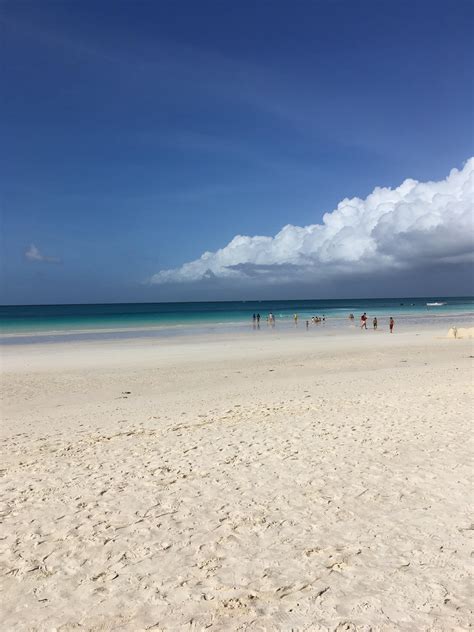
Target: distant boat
{"x":435,"y":304}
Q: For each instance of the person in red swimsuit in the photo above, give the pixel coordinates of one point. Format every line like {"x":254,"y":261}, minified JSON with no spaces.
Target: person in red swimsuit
{"x":363,"y":321}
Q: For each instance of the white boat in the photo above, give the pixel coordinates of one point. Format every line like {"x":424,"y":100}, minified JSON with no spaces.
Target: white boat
{"x":435,"y":304}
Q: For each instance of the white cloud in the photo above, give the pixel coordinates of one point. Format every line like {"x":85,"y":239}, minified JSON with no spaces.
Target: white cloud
{"x":417,"y":223}
{"x":33,"y":254}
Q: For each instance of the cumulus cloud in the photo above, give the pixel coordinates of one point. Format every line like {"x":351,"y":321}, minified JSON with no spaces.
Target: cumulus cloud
{"x":33,"y":254}
{"x":415,"y":224}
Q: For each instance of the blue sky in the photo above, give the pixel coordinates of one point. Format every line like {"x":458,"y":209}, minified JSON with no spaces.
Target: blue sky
{"x":138,"y":135}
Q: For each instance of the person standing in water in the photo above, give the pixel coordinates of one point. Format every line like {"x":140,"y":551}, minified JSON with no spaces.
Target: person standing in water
{"x":295,"y":318}
{"x":375,"y":322}
{"x":391,"y":324}
{"x":363,"y":321}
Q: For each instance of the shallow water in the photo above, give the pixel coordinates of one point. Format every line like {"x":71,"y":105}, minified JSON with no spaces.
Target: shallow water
{"x":60,"y":323}
{"x":35,"y":318}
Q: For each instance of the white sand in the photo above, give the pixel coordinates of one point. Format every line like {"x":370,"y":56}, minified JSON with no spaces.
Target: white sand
{"x":461,"y":332}
{"x":272,"y":482}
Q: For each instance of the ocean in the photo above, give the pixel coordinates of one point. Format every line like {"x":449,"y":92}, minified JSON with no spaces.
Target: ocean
{"x":33,"y":323}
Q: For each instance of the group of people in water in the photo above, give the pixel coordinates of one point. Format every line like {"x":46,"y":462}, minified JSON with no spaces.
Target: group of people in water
{"x":375,"y":324}
{"x":315,"y":320}
{"x":256,"y":320}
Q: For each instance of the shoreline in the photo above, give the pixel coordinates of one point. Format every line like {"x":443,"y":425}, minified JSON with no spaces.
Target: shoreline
{"x":339,"y":324}
{"x":187,"y":348}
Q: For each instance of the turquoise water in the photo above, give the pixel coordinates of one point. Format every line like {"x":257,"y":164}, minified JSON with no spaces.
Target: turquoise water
{"x":36,"y":320}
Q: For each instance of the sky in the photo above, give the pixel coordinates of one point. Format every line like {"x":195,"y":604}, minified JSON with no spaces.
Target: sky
{"x":212,"y":150}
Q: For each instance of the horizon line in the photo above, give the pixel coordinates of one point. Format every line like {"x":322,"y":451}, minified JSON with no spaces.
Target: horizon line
{"x":270,"y":300}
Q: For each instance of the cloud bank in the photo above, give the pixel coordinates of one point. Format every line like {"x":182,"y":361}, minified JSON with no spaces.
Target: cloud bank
{"x":415,"y":225}
{"x":33,"y":254}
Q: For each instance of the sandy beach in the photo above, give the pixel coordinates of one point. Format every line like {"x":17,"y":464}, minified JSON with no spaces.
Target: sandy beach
{"x":248,"y":482}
